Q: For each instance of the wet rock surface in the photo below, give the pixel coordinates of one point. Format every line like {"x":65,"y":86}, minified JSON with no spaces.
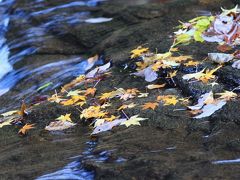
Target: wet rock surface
{"x":169,"y":145}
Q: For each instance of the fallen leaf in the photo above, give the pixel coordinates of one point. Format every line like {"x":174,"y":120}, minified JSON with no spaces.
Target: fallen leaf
{"x":6,"y":123}
{"x":99,"y":70}
{"x":23,"y":109}
{"x":90,"y":91}
{"x":93,"y":112}
{"x":74,"y":93}
{"x":26,"y":128}
{"x":209,"y":109}
{"x":150,"y":105}
{"x":127,"y":106}
{"x":59,"y":125}
{"x":65,"y":118}
{"x":9,"y":113}
{"x":227,"y":95}
{"x":138,"y":52}
{"x":155,"y":86}
{"x":191,"y":63}
{"x":107,"y":126}
{"x":220,"y":57}
{"x":143,"y":95}
{"x":134,"y":120}
{"x":111,"y":118}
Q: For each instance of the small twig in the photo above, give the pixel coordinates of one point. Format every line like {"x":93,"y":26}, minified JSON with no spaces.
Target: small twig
{"x":125,"y":114}
{"x":96,"y":83}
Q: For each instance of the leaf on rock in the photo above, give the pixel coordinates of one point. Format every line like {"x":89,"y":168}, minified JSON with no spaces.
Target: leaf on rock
{"x":59,"y":125}
{"x":155,"y":86}
{"x":26,"y":128}
{"x":65,"y":118}
{"x":209,"y":109}
{"x":138,"y":52}
{"x":107,"y":126}
{"x":134,"y":120}
{"x":150,"y":105}
{"x":227,"y":95}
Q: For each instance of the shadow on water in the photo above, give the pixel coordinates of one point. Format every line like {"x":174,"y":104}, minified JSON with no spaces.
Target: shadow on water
{"x":25,"y":43}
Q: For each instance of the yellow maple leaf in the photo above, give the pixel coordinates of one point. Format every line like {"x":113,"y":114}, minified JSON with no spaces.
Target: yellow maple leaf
{"x":67,"y":102}
{"x":9,"y":113}
{"x":65,"y":118}
{"x":191,"y":63}
{"x":6,"y":123}
{"x":138,"y":52}
{"x":180,"y":58}
{"x":76,"y":81}
{"x":78,"y":98}
{"x":168,"y":100}
{"x":209,"y":75}
{"x":227,"y":95}
{"x":93,"y":112}
{"x":134,"y":120}
{"x":172,"y":74}
{"x":111,"y":118}
{"x":150,"y":105}
{"x":155,"y":86}
{"x":55,"y":98}
{"x":26,"y":128}
{"x":90,"y":91}
{"x":126,"y":106}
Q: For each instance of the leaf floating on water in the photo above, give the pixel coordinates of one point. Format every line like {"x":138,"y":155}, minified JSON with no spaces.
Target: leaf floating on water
{"x":59,"y":125}
{"x":26,"y":128}
{"x":134,"y":120}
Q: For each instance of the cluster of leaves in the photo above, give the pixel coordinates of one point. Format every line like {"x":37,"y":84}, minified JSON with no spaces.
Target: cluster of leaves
{"x":193,"y":29}
{"x":207,"y":104}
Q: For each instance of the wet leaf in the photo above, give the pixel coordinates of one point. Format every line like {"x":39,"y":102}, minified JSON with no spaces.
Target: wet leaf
{"x":59,"y":125}
{"x":6,"y":123}
{"x":26,"y":128}
{"x":134,"y":120}
{"x":9,"y":113}
{"x":150,"y":105}
{"x":138,"y":52}
{"x":227,"y":95}
{"x":127,"y":106}
{"x":155,"y":86}
{"x":65,"y":118}
{"x":106,"y":126}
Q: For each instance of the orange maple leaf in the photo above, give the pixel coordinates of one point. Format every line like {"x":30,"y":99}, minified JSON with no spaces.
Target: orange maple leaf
{"x":26,"y":128}
{"x":90,"y":91}
{"x":22,"y":111}
{"x":150,"y":105}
